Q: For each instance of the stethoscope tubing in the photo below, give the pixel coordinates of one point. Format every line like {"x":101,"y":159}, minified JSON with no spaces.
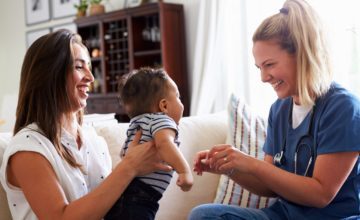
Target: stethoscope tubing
{"x":279,"y":158}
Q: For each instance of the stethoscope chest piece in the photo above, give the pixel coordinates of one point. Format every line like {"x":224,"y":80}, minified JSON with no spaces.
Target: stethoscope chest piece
{"x":279,"y":159}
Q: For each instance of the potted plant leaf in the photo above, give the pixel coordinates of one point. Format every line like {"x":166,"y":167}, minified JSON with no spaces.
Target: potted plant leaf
{"x":81,"y":8}
{"x":96,"y":7}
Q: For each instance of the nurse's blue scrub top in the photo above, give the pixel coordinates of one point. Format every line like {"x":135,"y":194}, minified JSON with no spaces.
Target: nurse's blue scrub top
{"x":335,"y":128}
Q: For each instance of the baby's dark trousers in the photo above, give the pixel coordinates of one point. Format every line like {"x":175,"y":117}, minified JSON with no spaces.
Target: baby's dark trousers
{"x":138,"y":202}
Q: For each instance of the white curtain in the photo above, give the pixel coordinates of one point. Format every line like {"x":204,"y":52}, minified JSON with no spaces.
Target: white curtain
{"x":223,"y":61}
{"x":342,"y":23}
{"x":219,"y":55}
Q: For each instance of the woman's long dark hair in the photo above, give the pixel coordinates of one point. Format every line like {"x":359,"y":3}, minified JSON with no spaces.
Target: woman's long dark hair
{"x":43,"y":97}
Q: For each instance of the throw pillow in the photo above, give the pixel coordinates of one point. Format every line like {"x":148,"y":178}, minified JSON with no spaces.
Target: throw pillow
{"x":247,"y":132}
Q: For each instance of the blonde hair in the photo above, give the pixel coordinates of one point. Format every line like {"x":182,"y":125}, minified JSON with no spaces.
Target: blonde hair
{"x":298,"y":30}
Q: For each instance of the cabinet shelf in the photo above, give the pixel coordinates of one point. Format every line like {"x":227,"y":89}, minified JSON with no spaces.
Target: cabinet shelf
{"x":96,"y":59}
{"x":129,"y":39}
{"x":147,"y":53}
{"x":120,"y":40}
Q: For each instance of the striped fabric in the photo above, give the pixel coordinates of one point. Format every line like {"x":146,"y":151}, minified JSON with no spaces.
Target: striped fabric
{"x":247,"y":132}
{"x":149,"y":124}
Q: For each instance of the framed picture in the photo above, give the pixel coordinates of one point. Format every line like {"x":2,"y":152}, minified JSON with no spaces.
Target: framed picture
{"x":63,"y":8}
{"x":133,"y":3}
{"x":32,"y":36}
{"x":37,"y":11}
{"x":70,"y":26}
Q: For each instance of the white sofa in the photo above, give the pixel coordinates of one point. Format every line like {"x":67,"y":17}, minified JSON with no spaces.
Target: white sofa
{"x":196,"y":133}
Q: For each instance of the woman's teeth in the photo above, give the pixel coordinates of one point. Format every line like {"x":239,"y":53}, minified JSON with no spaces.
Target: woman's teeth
{"x":276,"y":84}
{"x":84,"y":89}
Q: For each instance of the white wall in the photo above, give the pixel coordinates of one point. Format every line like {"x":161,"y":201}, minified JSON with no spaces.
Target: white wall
{"x":13,"y":46}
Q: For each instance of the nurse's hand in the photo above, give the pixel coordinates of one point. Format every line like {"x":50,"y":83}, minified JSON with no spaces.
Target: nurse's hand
{"x":225,"y":159}
{"x":205,"y":161}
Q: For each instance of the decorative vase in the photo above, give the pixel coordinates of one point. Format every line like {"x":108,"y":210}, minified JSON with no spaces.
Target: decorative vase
{"x":96,"y":9}
{"x":80,"y":14}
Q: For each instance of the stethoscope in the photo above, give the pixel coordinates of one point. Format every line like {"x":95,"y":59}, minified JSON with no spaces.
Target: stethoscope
{"x":305,"y":141}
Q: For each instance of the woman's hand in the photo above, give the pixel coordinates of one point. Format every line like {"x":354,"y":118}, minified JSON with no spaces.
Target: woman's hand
{"x":225,"y":159}
{"x":206,"y":162}
{"x":221,"y":159}
{"x":143,"y":158}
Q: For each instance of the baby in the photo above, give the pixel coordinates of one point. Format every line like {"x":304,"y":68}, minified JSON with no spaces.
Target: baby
{"x":152,"y":101}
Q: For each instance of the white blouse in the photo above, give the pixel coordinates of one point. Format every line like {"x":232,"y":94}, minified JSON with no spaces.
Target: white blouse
{"x":93,"y":155}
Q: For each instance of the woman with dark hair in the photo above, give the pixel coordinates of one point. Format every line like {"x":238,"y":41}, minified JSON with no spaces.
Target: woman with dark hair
{"x":54,"y":168}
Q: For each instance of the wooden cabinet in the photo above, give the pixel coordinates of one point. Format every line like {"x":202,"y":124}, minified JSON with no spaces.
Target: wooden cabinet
{"x":121,"y":41}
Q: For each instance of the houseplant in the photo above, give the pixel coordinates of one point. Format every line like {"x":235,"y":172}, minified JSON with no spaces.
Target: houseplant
{"x":96,"y":7}
{"x":81,"y":8}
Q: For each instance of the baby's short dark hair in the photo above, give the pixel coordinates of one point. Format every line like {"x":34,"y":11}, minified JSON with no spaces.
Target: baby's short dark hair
{"x":141,"y":90}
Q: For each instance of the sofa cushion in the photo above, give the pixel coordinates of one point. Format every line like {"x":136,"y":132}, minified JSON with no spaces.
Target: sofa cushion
{"x":196,"y":133}
{"x":114,"y":135}
{"x":4,"y":140}
{"x":246,"y":132}
{"x":4,"y":208}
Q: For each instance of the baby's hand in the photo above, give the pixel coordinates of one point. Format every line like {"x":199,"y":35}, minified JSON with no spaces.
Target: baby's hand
{"x":201,"y":162}
{"x":185,"y":181}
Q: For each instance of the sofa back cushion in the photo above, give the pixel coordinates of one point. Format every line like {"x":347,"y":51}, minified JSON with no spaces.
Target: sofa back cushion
{"x":196,"y":133}
{"x":246,"y":132}
{"x":114,"y":135}
{"x":4,"y":208}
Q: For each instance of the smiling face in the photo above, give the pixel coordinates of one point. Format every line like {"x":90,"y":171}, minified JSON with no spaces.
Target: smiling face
{"x":80,"y":78}
{"x":277,"y":67}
